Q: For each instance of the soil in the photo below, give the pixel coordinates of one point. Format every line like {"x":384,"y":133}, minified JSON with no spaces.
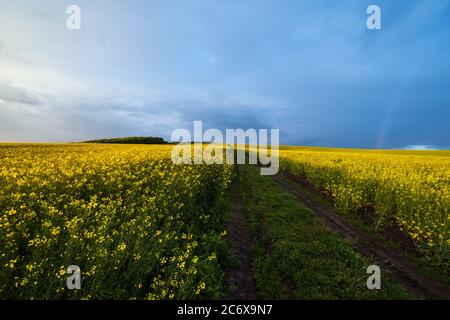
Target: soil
{"x":239,"y":278}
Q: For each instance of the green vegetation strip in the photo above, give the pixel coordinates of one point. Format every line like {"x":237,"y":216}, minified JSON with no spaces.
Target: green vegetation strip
{"x":419,"y":261}
{"x":295,"y":256}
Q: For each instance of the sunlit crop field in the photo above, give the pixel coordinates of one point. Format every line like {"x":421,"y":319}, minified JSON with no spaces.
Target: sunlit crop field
{"x":140,"y":226}
{"x":137,"y":225}
{"x":407,"y":188}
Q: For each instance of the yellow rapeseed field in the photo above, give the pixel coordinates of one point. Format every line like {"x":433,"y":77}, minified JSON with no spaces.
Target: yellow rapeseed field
{"x":409,"y":188}
{"x":140,"y":226}
{"x":136,"y":224}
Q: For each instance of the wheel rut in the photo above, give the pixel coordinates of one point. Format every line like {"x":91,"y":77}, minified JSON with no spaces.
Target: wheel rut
{"x":405,"y":272}
{"x":239,"y":278}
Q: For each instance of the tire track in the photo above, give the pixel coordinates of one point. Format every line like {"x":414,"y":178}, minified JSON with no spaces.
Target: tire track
{"x":405,"y":272}
{"x":240,"y":278}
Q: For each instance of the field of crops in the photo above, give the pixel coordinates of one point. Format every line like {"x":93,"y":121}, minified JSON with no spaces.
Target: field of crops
{"x":137,"y":225}
{"x":140,"y":226}
{"x":407,"y":188}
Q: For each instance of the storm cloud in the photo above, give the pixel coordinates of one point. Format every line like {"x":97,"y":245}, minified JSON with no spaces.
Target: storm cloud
{"x":310,"y":68}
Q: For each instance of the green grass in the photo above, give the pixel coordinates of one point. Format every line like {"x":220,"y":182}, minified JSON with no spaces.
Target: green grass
{"x":419,"y":261}
{"x":303,"y":260}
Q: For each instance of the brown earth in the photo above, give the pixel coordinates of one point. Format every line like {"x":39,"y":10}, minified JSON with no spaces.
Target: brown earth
{"x":239,"y":278}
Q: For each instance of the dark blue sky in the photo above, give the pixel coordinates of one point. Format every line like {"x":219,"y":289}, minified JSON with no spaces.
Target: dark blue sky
{"x":310,"y":68}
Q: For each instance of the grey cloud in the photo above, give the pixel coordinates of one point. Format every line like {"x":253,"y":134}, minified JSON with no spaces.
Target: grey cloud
{"x":10,"y":93}
{"x":9,"y":54}
{"x":111,"y":117}
{"x":311,"y":69}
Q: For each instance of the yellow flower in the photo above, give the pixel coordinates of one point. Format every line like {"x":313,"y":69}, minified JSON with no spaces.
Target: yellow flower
{"x":55,"y":231}
{"x":212,"y":256}
{"x":121,"y":247}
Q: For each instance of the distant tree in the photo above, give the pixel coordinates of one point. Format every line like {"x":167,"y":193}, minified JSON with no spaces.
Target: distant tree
{"x":130,"y":140}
